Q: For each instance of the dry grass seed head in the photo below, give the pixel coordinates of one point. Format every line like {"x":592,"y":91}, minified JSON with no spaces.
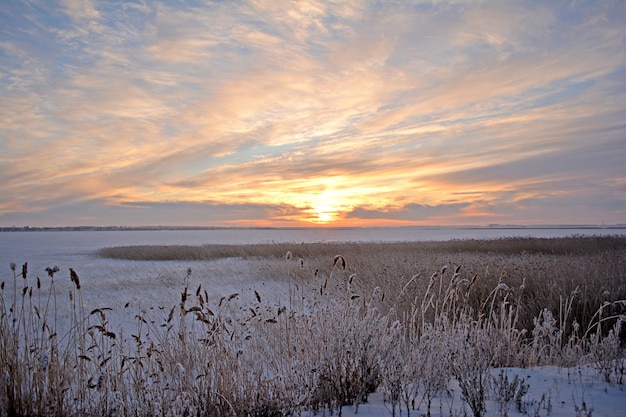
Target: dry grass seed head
{"x":341,"y":260}
{"x":74,"y":278}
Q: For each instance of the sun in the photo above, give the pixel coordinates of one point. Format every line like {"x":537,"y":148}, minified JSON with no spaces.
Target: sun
{"x":323,"y":208}
{"x":324,"y":217}
{"x":323,"y":211}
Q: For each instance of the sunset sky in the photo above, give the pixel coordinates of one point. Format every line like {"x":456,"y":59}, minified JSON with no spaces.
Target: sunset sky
{"x":296,"y":113}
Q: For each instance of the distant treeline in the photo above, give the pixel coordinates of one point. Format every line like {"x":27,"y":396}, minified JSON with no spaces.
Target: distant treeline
{"x":140,"y":228}
{"x":110,"y":228}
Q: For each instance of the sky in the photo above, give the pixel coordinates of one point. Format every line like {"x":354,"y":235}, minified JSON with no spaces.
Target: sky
{"x":312,"y":113}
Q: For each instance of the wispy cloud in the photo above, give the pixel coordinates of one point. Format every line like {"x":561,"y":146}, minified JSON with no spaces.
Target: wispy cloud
{"x":312,"y":112}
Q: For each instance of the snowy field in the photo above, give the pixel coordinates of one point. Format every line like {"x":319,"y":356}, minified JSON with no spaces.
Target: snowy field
{"x":552,"y":391}
{"x":114,"y":283}
{"x":130,"y":288}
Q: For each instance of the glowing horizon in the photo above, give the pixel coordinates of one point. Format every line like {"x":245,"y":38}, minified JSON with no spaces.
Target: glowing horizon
{"x":319,"y":113}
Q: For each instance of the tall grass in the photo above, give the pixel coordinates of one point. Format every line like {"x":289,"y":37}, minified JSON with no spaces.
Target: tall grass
{"x":394,"y":318}
{"x":587,"y":271}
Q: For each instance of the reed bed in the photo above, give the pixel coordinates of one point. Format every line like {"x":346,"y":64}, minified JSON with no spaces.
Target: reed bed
{"x":357,"y":318}
{"x":574,"y":245}
{"x":587,"y":271}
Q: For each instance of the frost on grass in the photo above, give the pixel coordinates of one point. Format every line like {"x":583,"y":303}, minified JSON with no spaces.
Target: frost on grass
{"x":442,"y":345}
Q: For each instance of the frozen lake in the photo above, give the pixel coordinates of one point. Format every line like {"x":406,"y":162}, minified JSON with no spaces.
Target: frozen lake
{"x":77,"y":248}
{"x":113,"y":283}
{"x":66,"y":246}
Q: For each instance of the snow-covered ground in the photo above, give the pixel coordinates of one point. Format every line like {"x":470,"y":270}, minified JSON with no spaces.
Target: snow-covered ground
{"x":155,"y":287}
{"x":552,"y":391}
{"x":129,"y":286}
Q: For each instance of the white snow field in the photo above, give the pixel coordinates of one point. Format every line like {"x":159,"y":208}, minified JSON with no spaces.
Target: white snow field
{"x":552,"y":391}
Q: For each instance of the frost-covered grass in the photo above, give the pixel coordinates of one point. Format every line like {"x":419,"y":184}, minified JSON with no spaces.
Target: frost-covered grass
{"x":593,"y":269}
{"x":426,"y":330}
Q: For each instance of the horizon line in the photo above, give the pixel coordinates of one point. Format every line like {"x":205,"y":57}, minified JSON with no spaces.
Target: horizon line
{"x":200,"y":227}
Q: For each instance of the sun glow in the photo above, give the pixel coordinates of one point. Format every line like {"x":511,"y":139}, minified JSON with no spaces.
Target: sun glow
{"x":325,"y":213}
{"x":326,"y":208}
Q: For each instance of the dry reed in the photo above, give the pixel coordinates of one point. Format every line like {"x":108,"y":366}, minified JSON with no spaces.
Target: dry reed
{"x":360,"y":324}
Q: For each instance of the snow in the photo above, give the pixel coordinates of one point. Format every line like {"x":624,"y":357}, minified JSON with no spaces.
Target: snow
{"x":129,"y":286}
{"x":553,"y":391}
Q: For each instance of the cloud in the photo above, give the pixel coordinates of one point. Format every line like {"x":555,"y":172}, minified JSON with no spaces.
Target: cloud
{"x":171,"y":213}
{"x":366,"y":105}
{"x":411,"y":212}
